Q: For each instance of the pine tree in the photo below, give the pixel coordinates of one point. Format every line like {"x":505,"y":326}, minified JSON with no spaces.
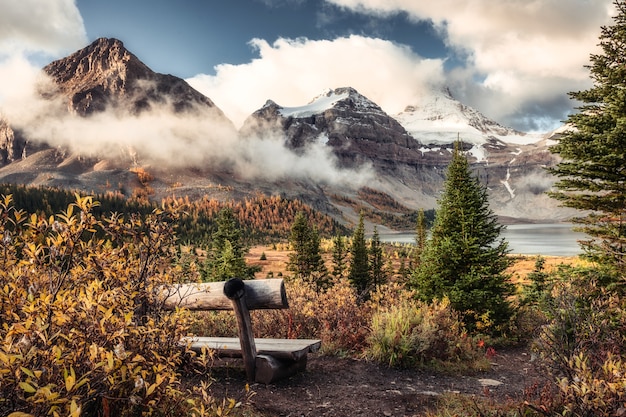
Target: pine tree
{"x":420,"y":235}
{"x":592,"y":174}
{"x":225,"y":257}
{"x":340,"y":254}
{"x":465,"y":259}
{"x":306,"y":260}
{"x":299,"y":241}
{"x":359,"y":274}
{"x":376,"y":261}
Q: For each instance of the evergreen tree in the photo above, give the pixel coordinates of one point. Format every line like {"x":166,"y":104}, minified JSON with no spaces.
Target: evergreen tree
{"x":420,"y":235}
{"x":403,"y":271}
{"x":465,"y":259}
{"x":306,"y":259}
{"x":359,"y":274}
{"x":340,"y":254}
{"x":376,"y":261}
{"x":225,"y":257}
{"x":593,"y":170}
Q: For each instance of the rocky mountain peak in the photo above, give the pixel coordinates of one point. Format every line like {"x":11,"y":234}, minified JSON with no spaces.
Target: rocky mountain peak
{"x":105,"y":62}
{"x":343,"y":99}
{"x":105,"y":74}
{"x":355,"y":127}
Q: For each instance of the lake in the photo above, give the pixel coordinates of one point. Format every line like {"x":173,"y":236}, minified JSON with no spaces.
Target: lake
{"x":525,"y":239}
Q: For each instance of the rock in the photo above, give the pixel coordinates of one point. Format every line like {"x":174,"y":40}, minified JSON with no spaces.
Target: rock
{"x":489,"y":382}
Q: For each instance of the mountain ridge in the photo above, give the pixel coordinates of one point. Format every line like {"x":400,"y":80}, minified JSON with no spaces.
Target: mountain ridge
{"x":339,"y":131}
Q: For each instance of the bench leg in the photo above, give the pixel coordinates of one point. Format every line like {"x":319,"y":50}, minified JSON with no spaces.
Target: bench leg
{"x":270,"y":369}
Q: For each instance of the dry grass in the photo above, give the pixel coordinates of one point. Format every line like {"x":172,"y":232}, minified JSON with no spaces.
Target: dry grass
{"x":276,"y":262}
{"x":524,"y":265}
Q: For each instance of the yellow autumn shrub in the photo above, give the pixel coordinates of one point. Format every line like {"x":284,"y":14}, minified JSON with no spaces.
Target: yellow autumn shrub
{"x":411,"y":333}
{"x":81,"y":328}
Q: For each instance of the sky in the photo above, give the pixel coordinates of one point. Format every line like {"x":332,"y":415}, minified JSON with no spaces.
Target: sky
{"x":513,"y":60}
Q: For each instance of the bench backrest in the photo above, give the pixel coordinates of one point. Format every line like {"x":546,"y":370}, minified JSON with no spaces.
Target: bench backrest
{"x":259,"y":294}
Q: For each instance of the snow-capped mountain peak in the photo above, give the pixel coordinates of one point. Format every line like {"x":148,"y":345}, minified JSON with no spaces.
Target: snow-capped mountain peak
{"x":329,"y":99}
{"x":318,"y":105}
{"x":440,"y":119}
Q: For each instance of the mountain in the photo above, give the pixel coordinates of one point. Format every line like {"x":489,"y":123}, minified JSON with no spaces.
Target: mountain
{"x":410,"y":151}
{"x":106,"y":75}
{"x":356,"y":128}
{"x":440,"y":119}
{"x":323,"y":152}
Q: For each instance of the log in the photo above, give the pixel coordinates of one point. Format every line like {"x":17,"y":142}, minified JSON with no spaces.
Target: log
{"x":236,"y":290}
{"x":270,"y":369}
{"x":260,"y":294}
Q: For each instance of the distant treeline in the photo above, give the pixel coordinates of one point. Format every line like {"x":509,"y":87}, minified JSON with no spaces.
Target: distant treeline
{"x":261,"y":219}
{"x":48,"y":201}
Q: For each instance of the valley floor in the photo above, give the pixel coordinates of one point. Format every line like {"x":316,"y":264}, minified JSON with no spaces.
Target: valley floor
{"x":276,"y":262}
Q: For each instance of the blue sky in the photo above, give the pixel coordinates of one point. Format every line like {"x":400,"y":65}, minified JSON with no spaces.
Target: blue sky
{"x":513,"y":60}
{"x":187,"y":38}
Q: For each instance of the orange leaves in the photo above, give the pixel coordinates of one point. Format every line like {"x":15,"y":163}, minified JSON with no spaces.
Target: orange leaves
{"x":79,"y":322}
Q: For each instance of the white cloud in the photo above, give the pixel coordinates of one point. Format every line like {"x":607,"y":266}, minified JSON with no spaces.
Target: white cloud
{"x":34,"y":26}
{"x":160,"y":137}
{"x":293,"y":72}
{"x":518,"y":49}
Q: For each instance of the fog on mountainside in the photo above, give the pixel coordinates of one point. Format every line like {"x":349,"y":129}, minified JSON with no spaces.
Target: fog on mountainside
{"x":102,"y":111}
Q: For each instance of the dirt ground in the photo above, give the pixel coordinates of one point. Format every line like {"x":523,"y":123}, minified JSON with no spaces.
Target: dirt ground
{"x":333,"y":386}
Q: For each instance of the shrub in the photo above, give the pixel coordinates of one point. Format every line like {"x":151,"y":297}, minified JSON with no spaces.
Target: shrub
{"x":334,"y":316}
{"x":595,"y":390}
{"x":583,"y":345}
{"x":82,"y":331}
{"x":413,"y":333}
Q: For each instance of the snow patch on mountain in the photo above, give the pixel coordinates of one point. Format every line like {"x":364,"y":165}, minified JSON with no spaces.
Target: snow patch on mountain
{"x":318,"y":105}
{"x":441,"y":119}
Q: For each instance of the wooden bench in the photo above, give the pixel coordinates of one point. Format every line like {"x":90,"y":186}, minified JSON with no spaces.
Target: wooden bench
{"x":265,"y":360}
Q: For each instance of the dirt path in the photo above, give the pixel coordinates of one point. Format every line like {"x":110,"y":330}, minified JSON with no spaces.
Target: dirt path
{"x":347,"y":387}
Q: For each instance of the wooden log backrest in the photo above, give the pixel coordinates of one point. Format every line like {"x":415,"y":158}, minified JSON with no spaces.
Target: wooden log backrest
{"x":259,"y":294}
{"x":235,"y":294}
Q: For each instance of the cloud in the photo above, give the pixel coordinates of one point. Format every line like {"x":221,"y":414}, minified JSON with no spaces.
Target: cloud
{"x":267,"y":158}
{"x":518,"y":53}
{"x":294,"y":71}
{"x":50,"y":27}
{"x":159,"y":137}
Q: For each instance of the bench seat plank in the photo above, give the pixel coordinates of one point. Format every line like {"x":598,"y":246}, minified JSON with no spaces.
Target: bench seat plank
{"x":293,"y":349}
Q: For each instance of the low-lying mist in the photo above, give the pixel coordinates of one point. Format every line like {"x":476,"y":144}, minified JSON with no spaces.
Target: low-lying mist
{"x":199,"y":138}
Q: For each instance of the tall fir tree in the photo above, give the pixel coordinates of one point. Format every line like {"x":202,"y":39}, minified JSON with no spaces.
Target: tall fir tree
{"x":378,"y":275}
{"x":420,"y":235}
{"x":465,"y":259}
{"x":306,"y":260}
{"x":225,"y":256}
{"x":339,"y":259}
{"x":592,"y":173}
{"x":359,"y":274}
